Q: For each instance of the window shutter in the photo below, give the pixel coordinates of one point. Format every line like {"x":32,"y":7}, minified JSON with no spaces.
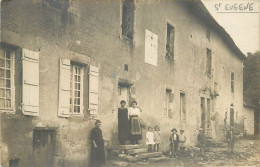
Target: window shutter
{"x":64,"y":88}
{"x":30,"y":95}
{"x":93,"y":90}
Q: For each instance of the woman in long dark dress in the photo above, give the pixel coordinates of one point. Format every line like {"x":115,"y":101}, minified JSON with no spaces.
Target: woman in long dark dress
{"x":97,"y":146}
{"x":135,"y":126}
{"x":123,"y":125}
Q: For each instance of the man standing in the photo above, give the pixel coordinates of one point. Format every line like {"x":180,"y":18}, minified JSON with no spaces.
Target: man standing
{"x":97,"y":146}
{"x":201,"y":141}
{"x":230,"y":138}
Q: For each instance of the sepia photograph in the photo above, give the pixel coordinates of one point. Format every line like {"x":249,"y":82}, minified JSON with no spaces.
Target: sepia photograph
{"x":129,"y":83}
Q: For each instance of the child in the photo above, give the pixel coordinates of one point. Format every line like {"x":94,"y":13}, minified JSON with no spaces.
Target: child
{"x":157,"y":138}
{"x":182,"y":138}
{"x":150,"y":139}
{"x":174,"y":139}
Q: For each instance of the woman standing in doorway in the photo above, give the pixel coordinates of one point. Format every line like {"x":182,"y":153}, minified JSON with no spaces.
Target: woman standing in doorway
{"x":123,"y":125}
{"x":135,"y":127}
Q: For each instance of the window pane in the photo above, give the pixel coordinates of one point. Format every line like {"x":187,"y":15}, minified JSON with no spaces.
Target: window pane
{"x":75,"y":86}
{"x":2,"y":92}
{"x":78,"y":78}
{"x":8,"y":74}
{"x":8,"y":63}
{"x":2,"y":82}
{"x":2,"y":63}
{"x":2,"y":103}
{"x":78,"y":93}
{"x":78,"y":101}
{"x":2,"y":73}
{"x":8,"y":103}
{"x":78,"y":86}
{"x":8,"y":55}
{"x":8,"y":83}
{"x":75,"y":78}
{"x":2,"y":54}
{"x":8,"y":93}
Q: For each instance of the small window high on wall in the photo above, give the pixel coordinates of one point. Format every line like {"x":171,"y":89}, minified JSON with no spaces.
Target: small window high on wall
{"x":182,"y":106}
{"x":170,"y":42}
{"x":232,"y":82}
{"x":128,"y":18}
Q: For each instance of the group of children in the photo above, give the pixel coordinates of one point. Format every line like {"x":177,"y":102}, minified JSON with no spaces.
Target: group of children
{"x":153,"y":140}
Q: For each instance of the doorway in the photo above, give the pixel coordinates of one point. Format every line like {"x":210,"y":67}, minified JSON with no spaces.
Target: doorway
{"x":43,"y":147}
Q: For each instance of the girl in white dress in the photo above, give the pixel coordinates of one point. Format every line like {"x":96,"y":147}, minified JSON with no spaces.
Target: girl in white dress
{"x":150,"y":139}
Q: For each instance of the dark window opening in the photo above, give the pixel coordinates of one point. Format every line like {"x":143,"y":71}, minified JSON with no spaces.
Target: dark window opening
{"x":232,"y":82}
{"x":170,"y":42}
{"x":208,"y":34}
{"x":203,"y":114}
{"x":209,"y":62}
{"x":128,"y":18}
{"x":126,"y":67}
{"x":14,"y":163}
{"x":182,"y":106}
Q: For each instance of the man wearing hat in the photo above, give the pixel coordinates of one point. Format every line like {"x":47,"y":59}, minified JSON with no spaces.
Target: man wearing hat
{"x":174,"y":139}
{"x":201,"y":140}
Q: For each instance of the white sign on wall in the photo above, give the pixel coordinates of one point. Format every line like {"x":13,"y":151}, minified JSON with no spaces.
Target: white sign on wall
{"x":151,"y":47}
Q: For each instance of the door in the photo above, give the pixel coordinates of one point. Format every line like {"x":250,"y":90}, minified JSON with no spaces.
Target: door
{"x":203,"y":115}
{"x":231,"y":117}
{"x":43,"y":148}
{"x":123,"y":94}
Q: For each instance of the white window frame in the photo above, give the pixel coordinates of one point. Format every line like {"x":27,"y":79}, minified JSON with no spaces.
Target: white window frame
{"x":72,"y":97}
{"x":12,"y":68}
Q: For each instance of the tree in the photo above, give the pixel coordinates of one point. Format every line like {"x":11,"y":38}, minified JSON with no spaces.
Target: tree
{"x":252,"y":83}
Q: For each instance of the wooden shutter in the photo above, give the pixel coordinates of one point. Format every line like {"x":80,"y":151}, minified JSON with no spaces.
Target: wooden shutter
{"x":30,"y":95}
{"x":93,"y":90}
{"x":64,"y":88}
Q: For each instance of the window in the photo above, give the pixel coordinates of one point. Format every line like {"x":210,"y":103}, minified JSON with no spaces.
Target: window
{"x":76,"y":86}
{"x":232,"y":82}
{"x":209,"y":61}
{"x":170,"y":42}
{"x":128,"y":18}
{"x":168,"y":103}
{"x":182,"y":106}
{"x":208,"y":34}
{"x":6,"y":80}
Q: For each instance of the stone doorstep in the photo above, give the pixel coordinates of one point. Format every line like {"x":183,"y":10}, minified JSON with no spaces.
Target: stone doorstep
{"x":149,"y":155}
{"x":118,"y":163}
{"x":217,"y":149}
{"x":161,"y":158}
{"x":128,"y":147}
{"x":136,"y":151}
{"x":130,"y":158}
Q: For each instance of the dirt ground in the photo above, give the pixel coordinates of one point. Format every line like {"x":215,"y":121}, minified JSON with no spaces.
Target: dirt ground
{"x":246,"y":153}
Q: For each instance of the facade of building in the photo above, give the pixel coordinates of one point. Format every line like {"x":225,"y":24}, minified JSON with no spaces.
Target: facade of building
{"x":66,"y":63}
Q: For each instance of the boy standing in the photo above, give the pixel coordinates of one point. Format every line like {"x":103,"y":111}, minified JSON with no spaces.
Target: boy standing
{"x":174,"y":141}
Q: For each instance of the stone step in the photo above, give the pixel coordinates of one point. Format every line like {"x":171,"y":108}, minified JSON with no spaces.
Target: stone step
{"x":157,"y":159}
{"x":130,"y":158}
{"x":128,"y":147}
{"x":149,"y":155}
{"x":217,"y":149}
{"x":136,"y":151}
{"x":118,"y":163}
